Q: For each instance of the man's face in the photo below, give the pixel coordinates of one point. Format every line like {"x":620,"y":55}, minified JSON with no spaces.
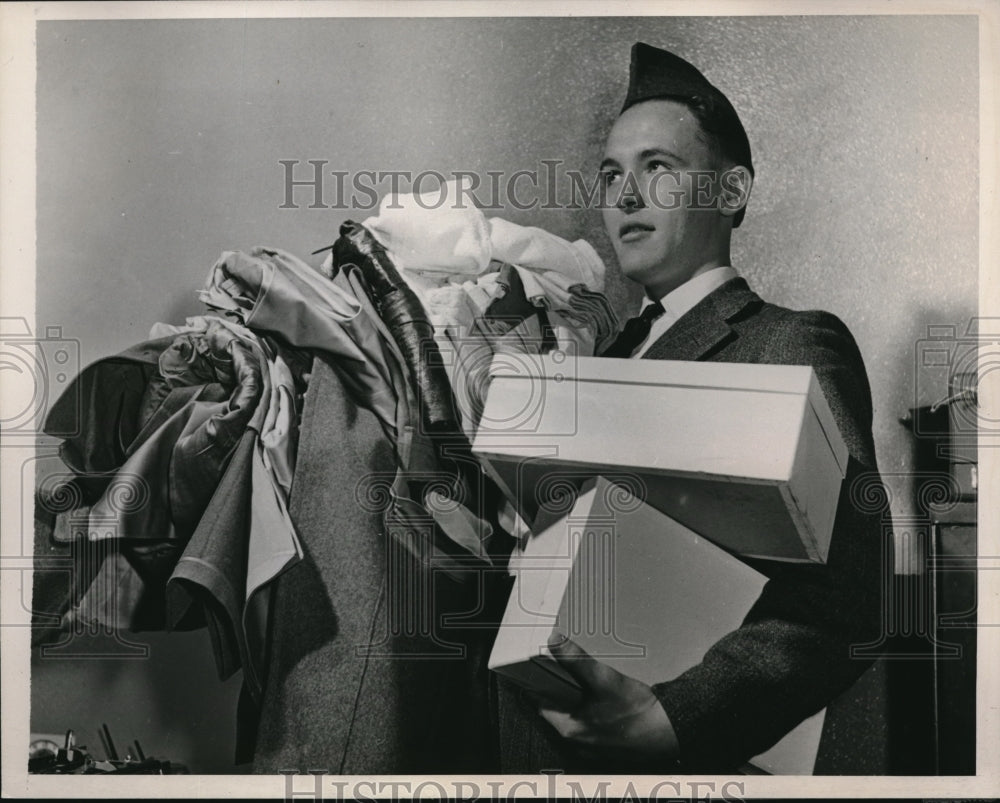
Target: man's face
{"x":662,"y":196}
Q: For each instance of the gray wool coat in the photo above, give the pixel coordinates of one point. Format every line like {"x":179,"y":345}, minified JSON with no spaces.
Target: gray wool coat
{"x":366,"y":673}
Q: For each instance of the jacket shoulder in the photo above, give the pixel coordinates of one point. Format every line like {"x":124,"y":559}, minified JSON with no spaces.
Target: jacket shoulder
{"x":796,"y":334}
{"x":776,"y":335}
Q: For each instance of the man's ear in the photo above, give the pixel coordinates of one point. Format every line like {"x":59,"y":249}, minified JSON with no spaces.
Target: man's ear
{"x":734,"y":192}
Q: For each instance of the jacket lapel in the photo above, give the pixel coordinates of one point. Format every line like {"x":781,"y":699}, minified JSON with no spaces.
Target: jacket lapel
{"x":705,"y":326}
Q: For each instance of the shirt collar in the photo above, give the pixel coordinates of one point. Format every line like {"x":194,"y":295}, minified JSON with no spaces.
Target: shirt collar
{"x":682,"y":299}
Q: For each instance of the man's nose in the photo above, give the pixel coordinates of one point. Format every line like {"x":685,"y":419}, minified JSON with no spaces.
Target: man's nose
{"x":629,"y":199}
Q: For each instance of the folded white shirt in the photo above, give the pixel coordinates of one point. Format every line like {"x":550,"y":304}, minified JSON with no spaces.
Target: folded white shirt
{"x":436,"y":239}
{"x":439,"y":233}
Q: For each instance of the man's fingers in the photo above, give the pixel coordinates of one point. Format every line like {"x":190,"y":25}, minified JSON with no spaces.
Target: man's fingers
{"x":589,"y":673}
{"x":564,"y":723}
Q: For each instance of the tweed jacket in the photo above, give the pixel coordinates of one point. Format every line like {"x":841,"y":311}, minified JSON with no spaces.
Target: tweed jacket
{"x":793,"y":653}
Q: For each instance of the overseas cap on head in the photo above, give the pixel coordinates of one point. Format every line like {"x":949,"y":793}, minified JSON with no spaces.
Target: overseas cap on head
{"x":657,"y":74}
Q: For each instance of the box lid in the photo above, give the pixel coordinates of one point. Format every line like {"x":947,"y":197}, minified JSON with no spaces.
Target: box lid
{"x":799,"y":380}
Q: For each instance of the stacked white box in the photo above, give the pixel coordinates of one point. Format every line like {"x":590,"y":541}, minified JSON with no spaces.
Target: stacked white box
{"x":639,"y":592}
{"x":748,"y":456}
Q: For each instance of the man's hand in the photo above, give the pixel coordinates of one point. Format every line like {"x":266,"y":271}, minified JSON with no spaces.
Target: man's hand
{"x":617,"y":717}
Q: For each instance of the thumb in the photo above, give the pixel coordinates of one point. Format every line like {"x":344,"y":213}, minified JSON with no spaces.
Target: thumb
{"x":585,"y":670}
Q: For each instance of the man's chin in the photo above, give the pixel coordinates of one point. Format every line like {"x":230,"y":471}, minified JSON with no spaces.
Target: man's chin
{"x":638,"y":273}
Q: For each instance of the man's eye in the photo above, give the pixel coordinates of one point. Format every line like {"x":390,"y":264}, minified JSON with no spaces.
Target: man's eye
{"x":657,"y":164}
{"x":609,"y":176}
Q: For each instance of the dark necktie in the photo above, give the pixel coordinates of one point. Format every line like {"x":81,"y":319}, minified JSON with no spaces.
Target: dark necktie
{"x":635,"y":331}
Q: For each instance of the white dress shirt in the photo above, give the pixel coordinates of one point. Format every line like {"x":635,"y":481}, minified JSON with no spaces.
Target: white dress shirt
{"x":683,"y":298}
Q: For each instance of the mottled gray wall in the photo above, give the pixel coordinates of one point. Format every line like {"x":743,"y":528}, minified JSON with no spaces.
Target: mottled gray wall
{"x":159,"y":147}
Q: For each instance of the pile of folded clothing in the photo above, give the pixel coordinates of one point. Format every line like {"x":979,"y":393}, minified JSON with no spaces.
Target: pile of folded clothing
{"x":174,"y":498}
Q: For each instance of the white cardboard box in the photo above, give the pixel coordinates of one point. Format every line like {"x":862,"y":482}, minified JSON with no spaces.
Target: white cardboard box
{"x":639,"y":592}
{"x":748,"y":456}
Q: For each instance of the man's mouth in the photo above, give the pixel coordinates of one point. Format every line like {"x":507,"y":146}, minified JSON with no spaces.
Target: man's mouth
{"x":634,"y":231}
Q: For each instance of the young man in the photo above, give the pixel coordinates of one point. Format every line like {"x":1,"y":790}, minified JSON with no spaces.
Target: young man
{"x":679,"y":173}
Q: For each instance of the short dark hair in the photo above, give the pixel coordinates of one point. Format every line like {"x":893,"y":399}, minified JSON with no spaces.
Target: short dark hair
{"x":721,"y":131}
{"x":657,"y":74}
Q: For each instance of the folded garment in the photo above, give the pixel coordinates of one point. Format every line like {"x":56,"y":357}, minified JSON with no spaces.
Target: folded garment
{"x":450,"y":306}
{"x":512,"y":304}
{"x":186,"y":362}
{"x":438,"y":232}
{"x":166,"y":515}
{"x":592,"y":312}
{"x":555,"y":263}
{"x":243,"y":542}
{"x":572,"y":337}
{"x":163,"y":477}
{"x":482,"y":291}
{"x":441,"y":237}
{"x":305,"y":309}
{"x":508,"y":310}
{"x":407,"y":321}
{"x":433,"y":450}
{"x":239,"y":280}
{"x":279,"y":433}
{"x":375,"y":369}
{"x":528,"y":336}
{"x":175,"y":461}
{"x":276,"y":424}
{"x":376,"y":341}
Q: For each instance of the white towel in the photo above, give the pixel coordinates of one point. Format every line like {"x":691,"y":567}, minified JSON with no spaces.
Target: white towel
{"x":435,"y":232}
{"x":440,"y":237}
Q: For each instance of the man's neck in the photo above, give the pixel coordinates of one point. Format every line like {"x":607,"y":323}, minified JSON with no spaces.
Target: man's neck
{"x":681,"y":300}
{"x":658,"y":289}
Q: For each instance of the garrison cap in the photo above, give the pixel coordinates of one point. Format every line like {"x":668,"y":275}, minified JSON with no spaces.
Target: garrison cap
{"x":657,"y":74}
